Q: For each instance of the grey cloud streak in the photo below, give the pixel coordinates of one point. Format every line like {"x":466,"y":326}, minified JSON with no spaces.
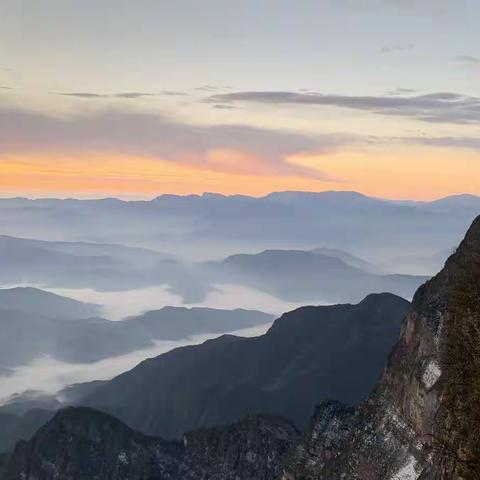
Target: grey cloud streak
{"x":441,"y":107}
{"x":470,"y":143}
{"x":469,"y":59}
{"x":107,"y":95}
{"x":397,"y":48}
{"x":126,"y":132}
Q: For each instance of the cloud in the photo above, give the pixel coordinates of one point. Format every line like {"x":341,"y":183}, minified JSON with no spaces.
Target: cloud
{"x":107,"y":95}
{"x":468,"y":60}
{"x":228,"y":148}
{"x":207,"y":88}
{"x":224,"y":107}
{"x":387,"y":49}
{"x":441,"y":107}
{"x":402,"y":91}
{"x":133,"y":94}
{"x":470,"y":143}
{"x":173,"y":94}
{"x":3,"y":87}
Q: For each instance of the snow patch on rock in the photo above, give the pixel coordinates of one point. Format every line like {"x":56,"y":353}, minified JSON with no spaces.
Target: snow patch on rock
{"x":431,"y":374}
{"x":408,"y":471}
{"x":122,"y":458}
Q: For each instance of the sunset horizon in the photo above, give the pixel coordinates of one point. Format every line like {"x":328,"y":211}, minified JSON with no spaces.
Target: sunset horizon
{"x":243,"y":99}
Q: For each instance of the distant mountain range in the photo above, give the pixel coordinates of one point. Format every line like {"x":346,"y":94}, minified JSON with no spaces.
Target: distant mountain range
{"x":321,"y":276}
{"x":214,"y":226}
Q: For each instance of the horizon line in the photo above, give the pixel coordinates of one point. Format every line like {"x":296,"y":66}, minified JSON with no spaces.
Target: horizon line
{"x":126,"y":199}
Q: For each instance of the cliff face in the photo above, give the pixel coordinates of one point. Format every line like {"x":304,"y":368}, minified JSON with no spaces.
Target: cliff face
{"x":422,"y":421}
{"x":82,"y":443}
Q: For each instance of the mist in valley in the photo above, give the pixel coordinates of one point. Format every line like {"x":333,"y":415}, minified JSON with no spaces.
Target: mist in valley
{"x":186,"y":252}
{"x":48,"y":375}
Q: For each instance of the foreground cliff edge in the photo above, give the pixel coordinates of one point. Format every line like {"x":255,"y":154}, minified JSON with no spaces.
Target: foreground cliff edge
{"x":422,"y":421}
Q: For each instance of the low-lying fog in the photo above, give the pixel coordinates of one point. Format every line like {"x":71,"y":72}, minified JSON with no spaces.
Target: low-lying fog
{"x":48,"y":375}
{"x":121,"y":304}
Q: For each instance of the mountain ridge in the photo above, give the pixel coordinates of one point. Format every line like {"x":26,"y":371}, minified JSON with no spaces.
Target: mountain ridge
{"x":221,"y":380}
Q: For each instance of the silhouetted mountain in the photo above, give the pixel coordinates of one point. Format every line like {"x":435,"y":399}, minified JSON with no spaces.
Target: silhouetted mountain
{"x":86,"y":444}
{"x":302,"y":276}
{"x":423,"y":418}
{"x":308,"y":354}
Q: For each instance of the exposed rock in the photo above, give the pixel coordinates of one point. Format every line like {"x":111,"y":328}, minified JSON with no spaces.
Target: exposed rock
{"x":423,"y":419}
{"x":82,"y":443}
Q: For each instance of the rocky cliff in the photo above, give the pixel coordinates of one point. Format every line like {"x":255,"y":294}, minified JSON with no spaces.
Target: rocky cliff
{"x":82,"y":443}
{"x":422,"y":421}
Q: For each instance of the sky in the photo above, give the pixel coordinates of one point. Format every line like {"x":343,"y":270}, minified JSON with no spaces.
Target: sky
{"x":134,"y":99}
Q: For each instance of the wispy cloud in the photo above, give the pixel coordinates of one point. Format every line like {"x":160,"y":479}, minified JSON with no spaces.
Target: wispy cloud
{"x":207,"y":88}
{"x":470,"y":143}
{"x":224,"y":107}
{"x":469,"y":60}
{"x":107,"y":95}
{"x":441,"y":107}
{"x":401,"y":47}
{"x":173,"y":94}
{"x":229,"y":148}
{"x":402,"y":91}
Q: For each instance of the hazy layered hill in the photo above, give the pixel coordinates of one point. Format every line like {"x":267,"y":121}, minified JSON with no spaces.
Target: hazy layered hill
{"x":80,"y":264}
{"x":321,"y":276}
{"x":33,"y":323}
{"x":27,"y":300}
{"x":348,"y":258}
{"x":190,"y":225}
{"x":308,"y":354}
{"x":303,"y":276}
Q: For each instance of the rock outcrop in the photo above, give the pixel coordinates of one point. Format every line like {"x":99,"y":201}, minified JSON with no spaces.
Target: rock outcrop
{"x":82,"y":443}
{"x":422,"y":421}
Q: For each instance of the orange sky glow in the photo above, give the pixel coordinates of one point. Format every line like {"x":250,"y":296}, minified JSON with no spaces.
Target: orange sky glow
{"x":425,"y":174}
